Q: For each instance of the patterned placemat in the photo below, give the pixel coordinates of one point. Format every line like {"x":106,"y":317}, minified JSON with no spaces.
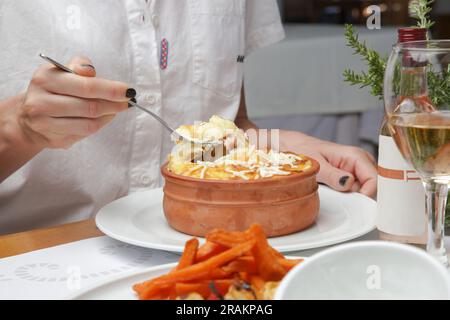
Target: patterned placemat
{"x":56,"y":272}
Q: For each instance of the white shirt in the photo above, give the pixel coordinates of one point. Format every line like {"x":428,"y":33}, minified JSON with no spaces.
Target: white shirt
{"x":206,"y":41}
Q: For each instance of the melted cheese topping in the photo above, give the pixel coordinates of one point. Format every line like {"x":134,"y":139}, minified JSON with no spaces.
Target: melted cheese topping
{"x":239,"y":161}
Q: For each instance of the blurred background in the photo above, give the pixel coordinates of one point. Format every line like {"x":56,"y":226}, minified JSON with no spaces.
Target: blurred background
{"x":297,"y":84}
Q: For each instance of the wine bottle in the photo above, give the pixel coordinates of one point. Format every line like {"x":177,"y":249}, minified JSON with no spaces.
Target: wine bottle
{"x":401,"y":196}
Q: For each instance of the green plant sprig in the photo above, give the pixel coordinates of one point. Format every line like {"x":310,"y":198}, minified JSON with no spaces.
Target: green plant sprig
{"x":420,"y":10}
{"x":373,"y":78}
{"x":439,"y":87}
{"x":447,"y":213}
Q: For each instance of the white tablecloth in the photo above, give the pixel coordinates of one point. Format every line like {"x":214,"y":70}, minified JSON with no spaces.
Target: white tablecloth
{"x":303,"y":73}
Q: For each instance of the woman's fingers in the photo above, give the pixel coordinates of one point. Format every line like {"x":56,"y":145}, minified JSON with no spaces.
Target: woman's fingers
{"x":357,"y":161}
{"x":343,"y":168}
{"x":366,"y":174}
{"x":63,"y":83}
{"x":66,"y":106}
{"x":67,"y":127}
{"x":337,"y":179}
{"x":82,"y":66}
{"x":371,"y":157}
{"x":369,"y":188}
{"x":61,"y":108}
{"x":356,"y":187}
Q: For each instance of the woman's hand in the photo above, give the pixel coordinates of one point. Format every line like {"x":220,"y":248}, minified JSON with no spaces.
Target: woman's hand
{"x":61,"y":108}
{"x":343,"y":168}
{"x":57,"y":110}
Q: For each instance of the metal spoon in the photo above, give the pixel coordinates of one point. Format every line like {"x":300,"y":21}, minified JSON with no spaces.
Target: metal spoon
{"x":211,"y":144}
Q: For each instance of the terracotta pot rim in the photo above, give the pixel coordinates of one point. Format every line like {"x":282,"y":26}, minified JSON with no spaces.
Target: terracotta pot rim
{"x":312,"y":171}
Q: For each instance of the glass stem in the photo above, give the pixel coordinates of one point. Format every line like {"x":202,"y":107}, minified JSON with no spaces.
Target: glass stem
{"x":436,"y":200}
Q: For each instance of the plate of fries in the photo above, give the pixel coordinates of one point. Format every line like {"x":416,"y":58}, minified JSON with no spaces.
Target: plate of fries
{"x":138,"y":219}
{"x":227,"y":266}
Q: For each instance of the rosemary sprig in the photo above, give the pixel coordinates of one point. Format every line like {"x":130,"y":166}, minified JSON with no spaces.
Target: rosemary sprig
{"x":439,"y":87}
{"x":373,"y":78}
{"x":447,"y":213}
{"x":420,"y":10}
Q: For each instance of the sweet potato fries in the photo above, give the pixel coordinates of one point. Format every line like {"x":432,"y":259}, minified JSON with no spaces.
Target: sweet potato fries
{"x":228,"y":261}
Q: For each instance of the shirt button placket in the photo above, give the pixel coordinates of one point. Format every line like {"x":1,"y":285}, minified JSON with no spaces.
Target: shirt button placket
{"x":150,"y":99}
{"x":147,"y":140}
{"x":145,"y":179}
{"x":155,"y":20}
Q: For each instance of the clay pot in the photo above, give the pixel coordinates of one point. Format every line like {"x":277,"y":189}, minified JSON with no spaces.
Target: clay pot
{"x":280,"y":204}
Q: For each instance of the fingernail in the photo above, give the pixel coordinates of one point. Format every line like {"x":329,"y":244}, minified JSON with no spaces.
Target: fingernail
{"x":343,"y":180}
{"x":131,"y":93}
{"x":129,"y":104}
{"x":88,"y":66}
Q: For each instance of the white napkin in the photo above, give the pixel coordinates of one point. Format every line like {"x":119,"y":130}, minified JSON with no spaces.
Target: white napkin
{"x":57,"y":272}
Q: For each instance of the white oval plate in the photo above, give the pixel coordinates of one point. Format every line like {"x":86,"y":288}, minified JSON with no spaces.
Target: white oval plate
{"x":138,"y":219}
{"x":120,"y":287}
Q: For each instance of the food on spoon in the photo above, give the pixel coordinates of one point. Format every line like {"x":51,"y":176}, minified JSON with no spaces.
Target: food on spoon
{"x":245,"y":269}
{"x":217,"y":130}
{"x":234,"y":159}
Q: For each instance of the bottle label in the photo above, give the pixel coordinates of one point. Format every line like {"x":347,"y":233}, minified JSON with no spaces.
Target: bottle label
{"x":401,"y":196}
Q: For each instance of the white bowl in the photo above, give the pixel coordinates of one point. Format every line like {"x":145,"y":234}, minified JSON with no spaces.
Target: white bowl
{"x":367,"y":270}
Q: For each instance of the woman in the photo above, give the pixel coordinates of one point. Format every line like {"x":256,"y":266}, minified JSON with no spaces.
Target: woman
{"x":69,"y":144}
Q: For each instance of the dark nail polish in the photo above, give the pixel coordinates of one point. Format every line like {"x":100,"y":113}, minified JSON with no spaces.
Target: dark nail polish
{"x":343,"y":180}
{"x":131,"y":93}
{"x":129,"y":104}
{"x":88,"y":66}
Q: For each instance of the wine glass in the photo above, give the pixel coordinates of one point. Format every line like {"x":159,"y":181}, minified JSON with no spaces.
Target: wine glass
{"x":417,"y":102}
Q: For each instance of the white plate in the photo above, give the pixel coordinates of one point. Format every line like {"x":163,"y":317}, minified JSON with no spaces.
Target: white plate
{"x":120,"y":287}
{"x":138,"y":219}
